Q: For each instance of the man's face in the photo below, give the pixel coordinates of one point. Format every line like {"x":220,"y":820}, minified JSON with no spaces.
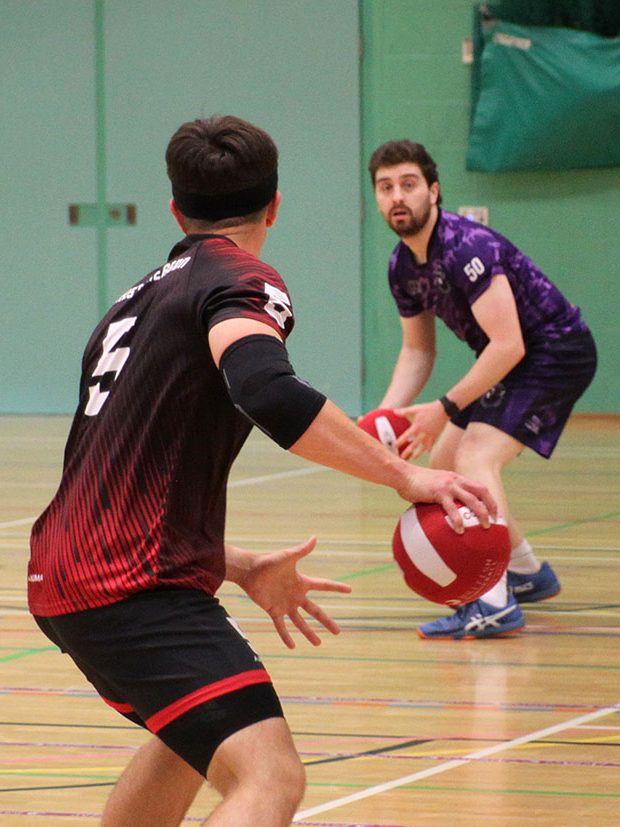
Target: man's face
{"x":404,"y":198}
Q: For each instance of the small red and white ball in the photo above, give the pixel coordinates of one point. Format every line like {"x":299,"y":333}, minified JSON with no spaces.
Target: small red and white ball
{"x":446,"y":567}
{"x":386,"y":426}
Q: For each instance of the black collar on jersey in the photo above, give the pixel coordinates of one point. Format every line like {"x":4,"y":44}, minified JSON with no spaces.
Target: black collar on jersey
{"x":431,"y":243}
{"x":195,"y":238}
{"x":434,"y":233}
{"x":216,"y":207}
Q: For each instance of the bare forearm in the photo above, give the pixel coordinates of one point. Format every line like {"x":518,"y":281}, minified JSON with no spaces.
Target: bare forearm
{"x":496,"y":313}
{"x":411,"y":373}
{"x":495,"y":361}
{"x":238,"y":563}
{"x":334,"y":441}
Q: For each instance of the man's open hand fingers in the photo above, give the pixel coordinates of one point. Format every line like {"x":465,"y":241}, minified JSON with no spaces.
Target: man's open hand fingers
{"x":323,"y":585}
{"x":302,"y":624}
{"x":322,"y":617}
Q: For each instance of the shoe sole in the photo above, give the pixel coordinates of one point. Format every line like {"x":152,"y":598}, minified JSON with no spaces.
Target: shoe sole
{"x":536,"y":599}
{"x":470,"y":637}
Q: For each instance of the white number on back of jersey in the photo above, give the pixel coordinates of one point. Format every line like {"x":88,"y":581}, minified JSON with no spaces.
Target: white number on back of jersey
{"x":279,"y":304}
{"x":112,"y":361}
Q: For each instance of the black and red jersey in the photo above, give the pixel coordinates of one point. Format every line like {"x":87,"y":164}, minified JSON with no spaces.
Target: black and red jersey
{"x":142,"y":499}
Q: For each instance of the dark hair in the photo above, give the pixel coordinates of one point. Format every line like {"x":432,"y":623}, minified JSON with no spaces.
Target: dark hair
{"x":401,"y":152}
{"x":211,"y":158}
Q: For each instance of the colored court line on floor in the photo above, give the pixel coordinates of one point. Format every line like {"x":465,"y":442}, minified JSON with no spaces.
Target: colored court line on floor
{"x":444,"y":705}
{"x":510,"y":791}
{"x":57,"y":745}
{"x":330,"y":759}
{"x":13,"y":523}
{"x":596,"y":518}
{"x":73,"y":693}
{"x":350,"y":824}
{"x":389,"y":753}
{"x":86,"y":779}
{"x":548,"y":530}
{"x":603,"y":742}
{"x":367,"y":572}
{"x":65,"y":814}
{"x":335,"y":700}
{"x":24,"y":653}
{"x":49,"y":814}
{"x":239,"y":483}
{"x":477,"y":790}
{"x":449,"y":662}
{"x":416,"y":787}
{"x":57,"y":787}
{"x":453,"y":764}
{"x":56,"y":725}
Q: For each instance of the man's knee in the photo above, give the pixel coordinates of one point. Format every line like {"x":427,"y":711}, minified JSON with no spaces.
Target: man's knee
{"x":292,"y":783}
{"x":486,"y":447}
{"x":473,"y":455}
{"x":262,"y":755}
{"x":284,"y":776}
{"x":443,"y":452}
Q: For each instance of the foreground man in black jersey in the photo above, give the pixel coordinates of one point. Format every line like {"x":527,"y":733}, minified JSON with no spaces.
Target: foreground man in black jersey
{"x":129,"y":554}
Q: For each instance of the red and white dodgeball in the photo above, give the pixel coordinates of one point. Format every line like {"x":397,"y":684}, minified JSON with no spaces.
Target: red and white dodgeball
{"x":446,"y":567}
{"x":386,"y":426}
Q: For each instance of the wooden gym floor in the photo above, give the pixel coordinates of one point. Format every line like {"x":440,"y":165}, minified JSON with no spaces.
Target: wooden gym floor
{"x":394,"y":731}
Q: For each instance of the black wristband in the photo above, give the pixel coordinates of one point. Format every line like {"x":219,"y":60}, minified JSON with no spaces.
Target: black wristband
{"x":450,"y":407}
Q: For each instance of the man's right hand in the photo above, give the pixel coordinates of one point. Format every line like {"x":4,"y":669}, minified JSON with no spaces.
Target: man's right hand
{"x":449,"y":490}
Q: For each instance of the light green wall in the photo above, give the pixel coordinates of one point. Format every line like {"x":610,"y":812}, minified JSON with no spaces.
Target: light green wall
{"x":414,"y":85}
{"x":291,"y":66}
{"x":47,"y":143}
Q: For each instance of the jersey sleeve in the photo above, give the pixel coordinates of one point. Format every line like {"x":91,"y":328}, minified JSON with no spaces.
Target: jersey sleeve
{"x":243,"y":287}
{"x":477,"y":260}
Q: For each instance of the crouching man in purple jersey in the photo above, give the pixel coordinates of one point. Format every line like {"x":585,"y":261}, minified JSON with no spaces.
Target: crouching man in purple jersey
{"x":127,"y":558}
{"x":534,"y":358}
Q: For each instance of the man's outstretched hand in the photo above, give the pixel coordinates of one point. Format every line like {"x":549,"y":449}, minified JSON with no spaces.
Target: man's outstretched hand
{"x":273,"y":582}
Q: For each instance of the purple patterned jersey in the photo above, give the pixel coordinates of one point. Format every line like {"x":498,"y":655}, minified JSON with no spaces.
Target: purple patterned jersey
{"x":463,"y":257}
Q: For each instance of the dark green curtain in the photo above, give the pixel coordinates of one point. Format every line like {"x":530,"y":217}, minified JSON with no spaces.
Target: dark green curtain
{"x":599,"y":16}
{"x":543,"y":97}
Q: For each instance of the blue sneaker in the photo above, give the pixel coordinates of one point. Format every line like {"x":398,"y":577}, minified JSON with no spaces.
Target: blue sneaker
{"x":474,"y":620}
{"x":530,"y":588}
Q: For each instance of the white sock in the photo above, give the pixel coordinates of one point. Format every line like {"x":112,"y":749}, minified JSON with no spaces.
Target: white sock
{"x":498,"y":595}
{"x":523,"y":560}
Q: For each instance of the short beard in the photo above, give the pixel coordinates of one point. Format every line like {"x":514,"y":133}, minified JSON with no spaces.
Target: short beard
{"x":413,"y":225}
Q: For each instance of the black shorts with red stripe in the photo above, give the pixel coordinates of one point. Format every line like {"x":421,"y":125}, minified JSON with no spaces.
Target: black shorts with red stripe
{"x":174,"y":662}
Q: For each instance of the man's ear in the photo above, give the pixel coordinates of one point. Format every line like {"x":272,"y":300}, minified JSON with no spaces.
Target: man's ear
{"x":434,"y":190}
{"x":272,"y":209}
{"x":178,"y":215}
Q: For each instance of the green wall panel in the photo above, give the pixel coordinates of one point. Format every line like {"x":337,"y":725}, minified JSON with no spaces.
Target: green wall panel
{"x":292,"y":66}
{"x":48,"y":278}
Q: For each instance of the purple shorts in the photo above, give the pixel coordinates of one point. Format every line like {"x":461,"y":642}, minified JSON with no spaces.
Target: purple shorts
{"x":533,"y":402}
